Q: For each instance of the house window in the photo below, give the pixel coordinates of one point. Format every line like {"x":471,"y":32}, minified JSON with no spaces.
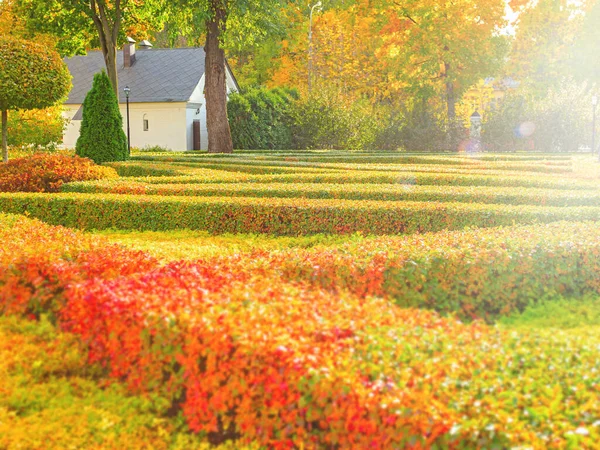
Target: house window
{"x":146,"y":123}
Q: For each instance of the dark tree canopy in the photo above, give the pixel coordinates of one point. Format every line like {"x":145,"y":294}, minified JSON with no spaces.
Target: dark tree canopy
{"x":32,"y":76}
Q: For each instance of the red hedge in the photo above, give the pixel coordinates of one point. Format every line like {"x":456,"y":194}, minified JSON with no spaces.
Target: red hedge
{"x":47,"y":172}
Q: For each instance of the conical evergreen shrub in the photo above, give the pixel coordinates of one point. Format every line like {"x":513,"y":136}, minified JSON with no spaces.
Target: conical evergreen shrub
{"x":101,"y":137}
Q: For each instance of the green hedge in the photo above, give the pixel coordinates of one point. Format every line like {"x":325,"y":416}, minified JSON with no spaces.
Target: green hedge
{"x":475,"y":273}
{"x":260,"y":118}
{"x":275,"y":216}
{"x":355,"y":177}
{"x":128,"y":169}
{"x":380,"y":192}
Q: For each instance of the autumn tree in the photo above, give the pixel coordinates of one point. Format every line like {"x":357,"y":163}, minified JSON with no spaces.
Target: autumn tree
{"x":345,"y":41}
{"x":40,"y":127}
{"x":412,"y":53}
{"x":584,"y":59}
{"x":32,"y":76}
{"x":540,"y":55}
{"x":83,"y":24}
{"x":444,"y":47}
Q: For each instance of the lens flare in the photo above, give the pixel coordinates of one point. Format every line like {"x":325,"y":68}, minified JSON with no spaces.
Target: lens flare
{"x":526,"y":129}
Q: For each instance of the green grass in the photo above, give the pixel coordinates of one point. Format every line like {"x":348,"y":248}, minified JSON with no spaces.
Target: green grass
{"x":558,"y":313}
{"x":190,"y":245}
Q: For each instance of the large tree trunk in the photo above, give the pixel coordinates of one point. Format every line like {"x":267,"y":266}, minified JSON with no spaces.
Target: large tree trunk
{"x":110,"y":59}
{"x":450,"y":97}
{"x":5,"y":136}
{"x":215,"y":87}
{"x":108,"y":33}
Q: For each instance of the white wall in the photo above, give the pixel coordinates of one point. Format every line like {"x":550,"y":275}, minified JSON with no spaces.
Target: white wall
{"x":167,"y":125}
{"x":71,"y":132}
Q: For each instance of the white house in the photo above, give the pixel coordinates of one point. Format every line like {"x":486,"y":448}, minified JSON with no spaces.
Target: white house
{"x":166,"y":101}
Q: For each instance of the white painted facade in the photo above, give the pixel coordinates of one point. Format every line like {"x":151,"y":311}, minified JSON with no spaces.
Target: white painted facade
{"x":169,"y":125}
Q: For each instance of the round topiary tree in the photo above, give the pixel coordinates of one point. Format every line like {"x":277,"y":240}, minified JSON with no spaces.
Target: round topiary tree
{"x":101,"y":137}
{"x":32,"y":76}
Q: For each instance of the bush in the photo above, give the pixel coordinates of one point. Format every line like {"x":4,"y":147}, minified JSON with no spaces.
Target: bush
{"x":47,"y":172}
{"x":326,"y":120}
{"x":101,"y":137}
{"x":422,"y":131}
{"x":260,"y":119}
{"x":32,"y":76}
{"x":36,"y":129}
{"x":558,"y":122}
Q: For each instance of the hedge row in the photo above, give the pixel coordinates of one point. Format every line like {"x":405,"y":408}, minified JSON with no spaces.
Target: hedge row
{"x":401,"y":158}
{"x":37,"y":261}
{"x":270,"y":165}
{"x":263,"y":168}
{"x":51,"y":399}
{"x":345,"y":157}
{"x":275,"y":216}
{"x":133,"y":169}
{"x":381,"y":192}
{"x":496,"y":168}
{"x":481,"y":273}
{"x":43,"y":172}
{"x":247,"y":356}
{"x":349,"y":177}
{"x":294,"y":157}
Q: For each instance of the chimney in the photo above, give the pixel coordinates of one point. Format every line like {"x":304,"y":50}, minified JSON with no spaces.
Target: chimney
{"x":129,"y":53}
{"x":145,"y":45}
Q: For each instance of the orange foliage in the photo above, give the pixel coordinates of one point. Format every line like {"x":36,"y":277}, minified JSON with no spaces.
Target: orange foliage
{"x":44,"y":172}
{"x":249,"y":354}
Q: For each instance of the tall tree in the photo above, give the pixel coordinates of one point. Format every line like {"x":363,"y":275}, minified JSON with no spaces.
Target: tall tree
{"x":32,"y":76}
{"x":225,"y":23}
{"x":102,"y":138}
{"x":446,"y":46}
{"x":584,"y":56}
{"x":83,"y":24}
{"x":540,"y":53}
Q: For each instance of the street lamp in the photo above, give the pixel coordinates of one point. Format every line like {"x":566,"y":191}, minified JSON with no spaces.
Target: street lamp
{"x":318,"y":6}
{"x":127,"y":90}
{"x":594,"y":104}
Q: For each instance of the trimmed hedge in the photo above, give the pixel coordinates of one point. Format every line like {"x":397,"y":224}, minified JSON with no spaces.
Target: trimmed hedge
{"x":267,"y":163}
{"x":381,"y":192}
{"x":38,"y":261}
{"x":43,"y":172}
{"x":204,"y":176}
{"x":132,"y":169}
{"x":481,"y":273}
{"x":245,"y":355}
{"x":275,"y":216}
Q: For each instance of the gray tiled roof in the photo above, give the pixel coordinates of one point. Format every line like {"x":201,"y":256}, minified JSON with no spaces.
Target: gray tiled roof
{"x":158,"y":75}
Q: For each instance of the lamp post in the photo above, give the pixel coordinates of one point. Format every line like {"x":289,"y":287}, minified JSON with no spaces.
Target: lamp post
{"x":318,"y":6}
{"x":127,"y":90}
{"x":594,"y":104}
